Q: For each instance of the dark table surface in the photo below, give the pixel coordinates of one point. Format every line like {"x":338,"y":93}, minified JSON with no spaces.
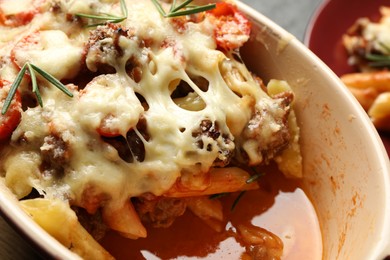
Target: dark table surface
{"x":292,"y":15}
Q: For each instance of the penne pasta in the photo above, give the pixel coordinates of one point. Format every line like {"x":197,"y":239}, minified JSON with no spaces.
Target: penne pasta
{"x":378,"y":80}
{"x":372,"y":90}
{"x":365,"y":96}
{"x":56,"y":217}
{"x":209,"y":210}
{"x":221,"y":180}
{"x":380,"y":111}
{"x":124,"y":220}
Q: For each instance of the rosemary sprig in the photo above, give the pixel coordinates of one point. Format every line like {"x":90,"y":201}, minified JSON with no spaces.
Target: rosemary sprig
{"x":235,"y":202}
{"x":34,"y":84}
{"x":18,"y":80}
{"x":254,"y":177}
{"x":182,"y":9}
{"x":218,"y":195}
{"x":12,"y":91}
{"x":107,"y":17}
{"x":251,"y":179}
{"x":379,"y":60}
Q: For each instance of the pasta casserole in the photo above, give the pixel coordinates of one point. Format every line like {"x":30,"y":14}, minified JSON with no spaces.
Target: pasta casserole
{"x":117,"y":113}
{"x":368,"y":45}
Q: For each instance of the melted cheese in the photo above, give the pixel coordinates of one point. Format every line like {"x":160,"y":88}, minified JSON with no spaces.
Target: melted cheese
{"x":62,"y":56}
{"x":12,"y":7}
{"x":378,"y":33}
{"x":119,"y":108}
{"x":110,"y":100}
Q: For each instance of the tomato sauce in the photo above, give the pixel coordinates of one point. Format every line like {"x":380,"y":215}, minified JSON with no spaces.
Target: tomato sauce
{"x":280,"y":206}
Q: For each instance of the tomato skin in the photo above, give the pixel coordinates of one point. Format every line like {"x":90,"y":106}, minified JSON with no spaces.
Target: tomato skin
{"x":223,"y":9}
{"x":10,"y":120}
{"x":28,"y":42}
{"x":20,"y":19}
{"x":24,"y":17}
{"x":232,"y":28}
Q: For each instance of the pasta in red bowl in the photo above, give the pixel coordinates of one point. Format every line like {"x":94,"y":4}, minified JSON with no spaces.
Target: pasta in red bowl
{"x":124,"y":121}
{"x":357,"y":31}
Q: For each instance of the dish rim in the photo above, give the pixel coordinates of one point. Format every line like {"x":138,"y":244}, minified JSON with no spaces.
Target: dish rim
{"x":46,"y":245}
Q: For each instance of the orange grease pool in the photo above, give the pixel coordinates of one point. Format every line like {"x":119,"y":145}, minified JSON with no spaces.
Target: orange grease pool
{"x":280,"y":206}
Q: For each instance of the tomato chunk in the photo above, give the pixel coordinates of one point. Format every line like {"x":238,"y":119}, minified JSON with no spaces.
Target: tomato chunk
{"x":20,"y":13}
{"x":28,"y":43}
{"x":232,"y":28}
{"x":10,"y":120}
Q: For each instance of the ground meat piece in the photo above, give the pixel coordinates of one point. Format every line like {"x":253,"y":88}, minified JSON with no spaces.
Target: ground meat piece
{"x":223,"y":141}
{"x":92,"y":198}
{"x":55,"y":154}
{"x":159,"y":212}
{"x":93,"y":223}
{"x":104,"y":51}
{"x":267,"y":132}
{"x":102,"y":48}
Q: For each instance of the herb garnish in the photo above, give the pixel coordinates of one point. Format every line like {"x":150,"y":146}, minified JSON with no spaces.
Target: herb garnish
{"x":32,"y":69}
{"x":254,"y":177}
{"x":107,"y":17}
{"x":218,"y":195}
{"x":235,"y":202}
{"x":251,"y":179}
{"x":379,"y":60}
{"x":182,"y":9}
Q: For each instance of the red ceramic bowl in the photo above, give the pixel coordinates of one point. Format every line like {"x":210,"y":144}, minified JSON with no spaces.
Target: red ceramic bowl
{"x":326,"y":27}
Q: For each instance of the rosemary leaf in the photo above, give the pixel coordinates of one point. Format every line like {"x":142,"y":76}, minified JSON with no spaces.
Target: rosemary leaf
{"x":107,"y":17}
{"x":218,"y":195}
{"x":159,"y":7}
{"x":12,"y":91}
{"x":33,"y":78}
{"x":34,"y":84}
{"x":52,"y":80}
{"x":378,"y":60}
{"x":182,"y":9}
{"x":194,"y":10}
{"x":18,"y":80}
{"x":237,"y":200}
{"x":182,"y":5}
{"x":377,"y":57}
{"x":124,"y":9}
{"x":99,"y":17}
{"x":378,"y":64}
{"x":172,"y":5}
{"x":254,"y":177}
{"x":39,"y":97}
